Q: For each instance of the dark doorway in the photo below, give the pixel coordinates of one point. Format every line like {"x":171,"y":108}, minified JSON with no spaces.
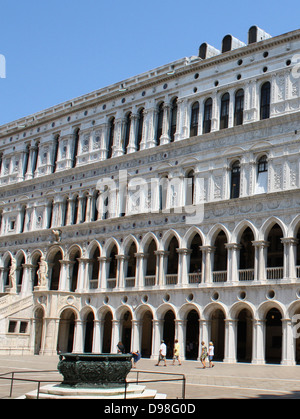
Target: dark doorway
{"x":107,"y":331}
{"x":146,"y":349}
{"x":169,"y":332}
{"x":218,"y":334}
{"x":126,"y":331}
{"x":273,"y":337}
{"x":192,"y":335}
{"x":89,"y":333}
{"x":244,"y":336}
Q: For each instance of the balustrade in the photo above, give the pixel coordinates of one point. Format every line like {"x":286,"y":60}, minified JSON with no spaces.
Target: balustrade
{"x":246,"y":274}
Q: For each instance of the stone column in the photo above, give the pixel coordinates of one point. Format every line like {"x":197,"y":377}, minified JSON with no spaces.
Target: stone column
{"x":103,"y":260}
{"x":78,"y":336}
{"x":32,"y":155}
{"x":151,"y":122}
{"x":120,"y":271}
{"x":82,"y":280}
{"x":230,"y":341}
{"x":261,"y":259}
{"x":119,"y":136}
{"x":290,"y":257}
{"x":140,"y":257}
{"x":132,"y":134}
{"x":258,"y":351}
{"x":51,"y":335}
{"x":64,"y":281}
{"x":157,"y":336}
{"x":288,"y":343}
{"x":162,"y":256}
{"x":115,"y":335}
{"x":183,"y":277}
{"x":27,"y":285}
{"x":165,"y":137}
{"x":97,"y":340}
{"x":207,"y":252}
{"x":232,"y":269}
{"x":135,"y":341}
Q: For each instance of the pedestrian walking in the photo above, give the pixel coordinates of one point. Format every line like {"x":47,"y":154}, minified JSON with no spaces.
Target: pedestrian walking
{"x":203,"y":354}
{"x":136,"y":357}
{"x":211,"y":353}
{"x":121,"y":348}
{"x":176,"y":353}
{"x":162,"y":353}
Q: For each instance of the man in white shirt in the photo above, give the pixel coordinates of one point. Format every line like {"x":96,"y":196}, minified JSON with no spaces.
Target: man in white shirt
{"x":162,"y":353}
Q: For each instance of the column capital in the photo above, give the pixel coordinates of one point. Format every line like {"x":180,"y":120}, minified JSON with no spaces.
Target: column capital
{"x":208,"y":249}
{"x":233,"y":246}
{"x":261,"y":243}
{"x":289,"y":240}
{"x":184,"y":251}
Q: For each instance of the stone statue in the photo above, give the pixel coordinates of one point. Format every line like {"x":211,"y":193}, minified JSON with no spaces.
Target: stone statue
{"x":12,"y":275}
{"x":57,"y":235}
{"x":43,"y":273}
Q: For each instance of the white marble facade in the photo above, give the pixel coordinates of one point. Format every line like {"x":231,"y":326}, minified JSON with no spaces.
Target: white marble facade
{"x":98,"y":196}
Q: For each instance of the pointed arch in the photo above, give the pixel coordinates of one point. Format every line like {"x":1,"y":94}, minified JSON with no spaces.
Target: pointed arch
{"x":213,"y":233}
{"x":189,"y":236}
{"x":240,"y":228}
{"x":94,"y":244}
{"x":167,"y":237}
{"x":269,"y":224}
{"x":109,"y":245}
{"x":147,"y":239}
{"x":128,"y":242}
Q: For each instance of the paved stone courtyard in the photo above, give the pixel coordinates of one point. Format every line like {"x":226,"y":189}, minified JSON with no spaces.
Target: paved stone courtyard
{"x":238,"y":381}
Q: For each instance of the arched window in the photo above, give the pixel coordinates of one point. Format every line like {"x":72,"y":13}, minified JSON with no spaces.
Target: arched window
{"x":75,"y":148}
{"x":22,"y":219}
{"x":19,"y":273}
{"x":190,"y":188}
{"x":112,"y":268}
{"x":111,"y":131}
{"x":224,"y":115}
{"x":95,"y":205}
{"x":35,"y":156}
{"x":159,"y":127}
{"x":172,"y":267}
{"x":207,"y":116}
{"x":75,"y":209}
{"x":105,"y":204}
{"x":194,"y":120}
{"x":55,"y":153}
{"x":140,"y":128}
{"x":239,"y":108}
{"x":127,"y":132}
{"x":262,"y":175}
{"x":235,"y":180}
{"x":26,"y":160}
{"x":163,"y":192}
{"x":50,"y":214}
{"x":173,"y":126}
{"x":54,"y":271}
{"x":265,"y":100}
{"x":1,"y":160}
{"x":64,"y":212}
{"x":84,"y":208}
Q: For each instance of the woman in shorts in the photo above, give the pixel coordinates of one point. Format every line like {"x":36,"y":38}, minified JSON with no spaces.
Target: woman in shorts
{"x":203,"y":354}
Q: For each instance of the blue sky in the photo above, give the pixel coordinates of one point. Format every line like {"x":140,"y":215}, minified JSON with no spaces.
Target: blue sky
{"x":60,"y":49}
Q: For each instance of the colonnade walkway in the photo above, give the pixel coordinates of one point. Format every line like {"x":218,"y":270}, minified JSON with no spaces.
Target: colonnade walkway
{"x":224,"y":381}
